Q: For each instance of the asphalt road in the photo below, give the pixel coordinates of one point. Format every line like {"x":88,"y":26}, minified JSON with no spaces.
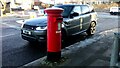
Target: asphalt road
{"x":17,"y":52}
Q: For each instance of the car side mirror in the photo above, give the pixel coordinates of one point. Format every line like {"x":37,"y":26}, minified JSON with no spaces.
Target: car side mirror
{"x":74,"y":14}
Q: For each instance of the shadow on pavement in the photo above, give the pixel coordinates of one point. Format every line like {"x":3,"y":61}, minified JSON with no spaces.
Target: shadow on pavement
{"x":42,"y":46}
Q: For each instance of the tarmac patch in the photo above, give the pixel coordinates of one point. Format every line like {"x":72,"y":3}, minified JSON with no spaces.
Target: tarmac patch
{"x":100,"y":62}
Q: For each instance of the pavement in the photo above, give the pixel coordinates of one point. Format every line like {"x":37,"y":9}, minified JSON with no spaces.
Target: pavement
{"x":93,"y":51}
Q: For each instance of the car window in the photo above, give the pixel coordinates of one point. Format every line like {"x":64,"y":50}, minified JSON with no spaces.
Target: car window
{"x":67,"y":10}
{"x":77,"y":9}
{"x":85,"y":9}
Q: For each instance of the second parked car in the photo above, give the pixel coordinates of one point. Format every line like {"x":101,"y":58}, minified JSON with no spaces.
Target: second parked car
{"x":76,"y":19}
{"x":114,"y":10}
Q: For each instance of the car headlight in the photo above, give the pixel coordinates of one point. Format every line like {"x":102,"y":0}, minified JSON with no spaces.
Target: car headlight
{"x":41,"y":28}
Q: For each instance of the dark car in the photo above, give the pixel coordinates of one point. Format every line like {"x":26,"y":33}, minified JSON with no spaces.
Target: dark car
{"x":76,"y":19}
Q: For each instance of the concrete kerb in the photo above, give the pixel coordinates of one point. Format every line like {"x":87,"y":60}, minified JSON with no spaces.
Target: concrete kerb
{"x":37,"y":62}
{"x":75,"y":47}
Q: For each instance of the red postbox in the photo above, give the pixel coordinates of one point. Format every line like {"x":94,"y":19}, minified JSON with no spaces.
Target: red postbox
{"x":54,"y":33}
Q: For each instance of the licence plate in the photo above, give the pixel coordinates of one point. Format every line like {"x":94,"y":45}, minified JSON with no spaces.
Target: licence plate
{"x":27,"y":32}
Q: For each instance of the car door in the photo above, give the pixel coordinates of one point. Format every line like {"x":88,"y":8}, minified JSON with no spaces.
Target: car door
{"x":74,"y":20}
{"x":85,"y":17}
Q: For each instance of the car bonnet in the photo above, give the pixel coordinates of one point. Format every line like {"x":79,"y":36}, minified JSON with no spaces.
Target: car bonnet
{"x":39,"y":21}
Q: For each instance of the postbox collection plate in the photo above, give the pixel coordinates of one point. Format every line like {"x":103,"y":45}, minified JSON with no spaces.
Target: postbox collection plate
{"x":59,"y":26}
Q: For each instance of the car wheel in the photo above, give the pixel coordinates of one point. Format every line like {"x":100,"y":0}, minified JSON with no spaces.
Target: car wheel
{"x":111,"y":13}
{"x":91,"y":30}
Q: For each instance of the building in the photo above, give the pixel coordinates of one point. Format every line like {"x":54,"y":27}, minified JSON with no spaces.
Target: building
{"x":89,"y":1}
{"x":114,"y":0}
{"x":26,"y":4}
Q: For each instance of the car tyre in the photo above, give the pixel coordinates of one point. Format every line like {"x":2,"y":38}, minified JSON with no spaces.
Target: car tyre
{"x":111,"y":13}
{"x":91,"y":30}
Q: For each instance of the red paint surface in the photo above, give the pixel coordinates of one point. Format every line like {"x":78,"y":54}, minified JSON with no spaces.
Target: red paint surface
{"x":53,"y":38}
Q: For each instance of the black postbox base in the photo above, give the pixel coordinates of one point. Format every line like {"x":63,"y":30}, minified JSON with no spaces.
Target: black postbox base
{"x":53,"y":56}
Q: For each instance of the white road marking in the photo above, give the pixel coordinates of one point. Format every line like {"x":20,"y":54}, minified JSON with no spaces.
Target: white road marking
{"x":8,"y":35}
{"x":20,"y":21}
{"x":12,"y":26}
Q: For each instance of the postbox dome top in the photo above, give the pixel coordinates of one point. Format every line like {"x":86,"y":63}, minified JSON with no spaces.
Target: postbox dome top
{"x":54,"y":10}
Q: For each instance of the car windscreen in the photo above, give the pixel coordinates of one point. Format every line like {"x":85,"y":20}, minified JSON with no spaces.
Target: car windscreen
{"x":67,"y":10}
